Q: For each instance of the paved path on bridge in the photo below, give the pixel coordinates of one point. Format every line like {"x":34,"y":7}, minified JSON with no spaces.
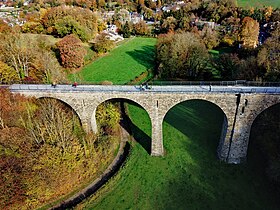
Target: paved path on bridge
{"x":130,"y":88}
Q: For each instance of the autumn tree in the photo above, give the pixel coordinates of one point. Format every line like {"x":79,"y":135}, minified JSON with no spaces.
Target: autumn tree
{"x":108,"y":117}
{"x":169,"y":24}
{"x":80,"y":21}
{"x":249,"y":32}
{"x":44,"y":152}
{"x":7,"y":73}
{"x":127,"y":29}
{"x":103,"y":44}
{"x":181,"y":55}
{"x":71,"y":52}
{"x":4,"y":27}
{"x":269,"y":56}
{"x":27,"y":59}
{"x":141,"y":28}
{"x":17,"y":53}
{"x":210,"y":37}
{"x":275,"y":16}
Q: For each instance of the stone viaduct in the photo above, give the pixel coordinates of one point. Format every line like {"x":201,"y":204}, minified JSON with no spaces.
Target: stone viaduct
{"x":240,"y":106}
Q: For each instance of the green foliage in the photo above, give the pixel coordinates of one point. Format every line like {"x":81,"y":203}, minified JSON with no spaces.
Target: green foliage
{"x":108,"y":118}
{"x":33,"y":27}
{"x":181,"y":55}
{"x":68,"y":25}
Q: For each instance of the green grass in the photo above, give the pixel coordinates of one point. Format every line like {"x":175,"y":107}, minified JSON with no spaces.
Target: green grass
{"x":258,"y":3}
{"x":123,"y":63}
{"x":189,"y":176}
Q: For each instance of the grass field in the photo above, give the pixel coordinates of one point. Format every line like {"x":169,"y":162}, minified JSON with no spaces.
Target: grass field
{"x":122,"y":64}
{"x":189,"y":176}
{"x":258,"y":3}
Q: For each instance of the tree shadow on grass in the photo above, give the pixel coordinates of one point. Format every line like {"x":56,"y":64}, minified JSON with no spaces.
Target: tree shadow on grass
{"x":145,"y":56}
{"x":189,"y":118}
{"x":141,"y":137}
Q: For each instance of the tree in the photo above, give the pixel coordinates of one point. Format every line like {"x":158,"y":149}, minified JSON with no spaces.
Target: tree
{"x":4,"y":27}
{"x":103,"y":44}
{"x":7,"y":73}
{"x":227,"y":65}
{"x":108,"y":117}
{"x":181,"y":55}
{"x":79,"y":19}
{"x":127,"y":29}
{"x":16,"y":51}
{"x":249,"y":32}
{"x":210,"y":37}
{"x":269,"y":56}
{"x":67,"y":25}
{"x":275,"y":16}
{"x":27,"y":58}
{"x":169,"y":24}
{"x":71,"y":52}
{"x":141,"y":28}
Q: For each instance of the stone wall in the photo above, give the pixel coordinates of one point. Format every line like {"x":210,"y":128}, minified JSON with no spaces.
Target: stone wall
{"x":239,"y":113}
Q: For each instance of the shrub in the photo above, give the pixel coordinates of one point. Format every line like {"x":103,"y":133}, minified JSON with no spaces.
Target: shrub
{"x":71,"y":52}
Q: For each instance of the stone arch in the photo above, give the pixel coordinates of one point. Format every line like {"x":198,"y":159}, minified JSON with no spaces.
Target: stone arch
{"x":214,"y":102}
{"x":257,"y":114}
{"x":261,"y":110}
{"x":224,"y":128}
{"x":146,"y":146}
{"x":65,"y":103}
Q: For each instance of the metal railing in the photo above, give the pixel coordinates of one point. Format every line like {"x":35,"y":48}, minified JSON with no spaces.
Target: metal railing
{"x":168,"y":83}
{"x":147,"y":88}
{"x":217,"y":83}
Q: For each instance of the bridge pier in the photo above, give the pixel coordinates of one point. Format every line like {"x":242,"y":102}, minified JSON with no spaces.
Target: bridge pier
{"x":157,"y":137}
{"x":234,"y":147}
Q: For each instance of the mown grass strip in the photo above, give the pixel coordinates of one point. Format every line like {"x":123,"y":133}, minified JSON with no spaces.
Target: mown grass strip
{"x":258,"y":3}
{"x":122,"y":64}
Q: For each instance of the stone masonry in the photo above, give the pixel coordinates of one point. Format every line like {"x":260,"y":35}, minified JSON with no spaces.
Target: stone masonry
{"x":239,"y":110}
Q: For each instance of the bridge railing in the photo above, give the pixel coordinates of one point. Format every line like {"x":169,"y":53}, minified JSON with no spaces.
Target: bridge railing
{"x":167,"y":83}
{"x":217,"y":83}
{"x":146,"y":88}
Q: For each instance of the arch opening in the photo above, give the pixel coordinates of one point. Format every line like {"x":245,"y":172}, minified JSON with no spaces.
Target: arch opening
{"x":134,"y":120}
{"x":67,"y":106}
{"x":263,"y":154}
{"x":196,"y":122}
{"x":58,"y":119}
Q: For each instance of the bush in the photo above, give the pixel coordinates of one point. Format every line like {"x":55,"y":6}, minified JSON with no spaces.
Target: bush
{"x":106,"y":82}
{"x":103,"y":44}
{"x":71,"y":52}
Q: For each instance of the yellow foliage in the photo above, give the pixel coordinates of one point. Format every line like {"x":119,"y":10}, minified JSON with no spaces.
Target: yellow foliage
{"x":7,"y":73}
